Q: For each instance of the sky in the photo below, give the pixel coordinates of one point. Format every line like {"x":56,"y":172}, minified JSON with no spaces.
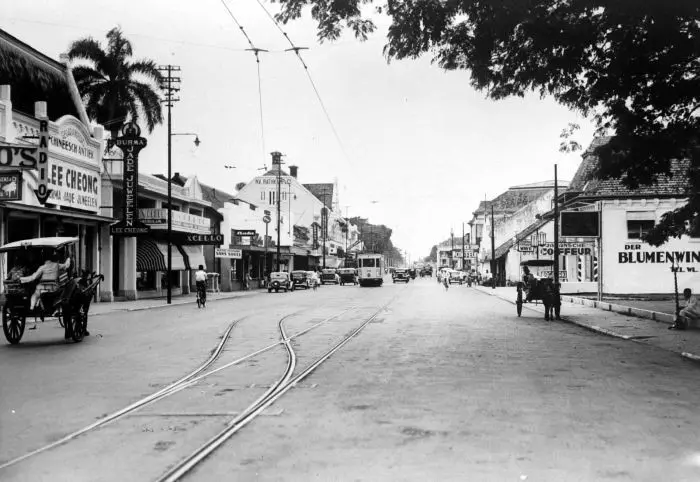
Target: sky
{"x":414,"y":147}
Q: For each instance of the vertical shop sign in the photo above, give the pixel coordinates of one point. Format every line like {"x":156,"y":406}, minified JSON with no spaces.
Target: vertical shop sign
{"x":315,"y":235}
{"x":131,"y":144}
{"x":42,"y":191}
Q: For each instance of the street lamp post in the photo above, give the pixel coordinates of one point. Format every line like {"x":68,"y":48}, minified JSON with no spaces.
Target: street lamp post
{"x":197,"y":142}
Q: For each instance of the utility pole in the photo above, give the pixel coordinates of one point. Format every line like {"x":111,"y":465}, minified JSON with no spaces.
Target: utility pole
{"x":556,"y":229}
{"x":452,"y":248}
{"x":493,"y":250}
{"x":169,"y":89}
{"x":277,"y":159}
{"x":464,"y":260}
{"x":324,"y":224}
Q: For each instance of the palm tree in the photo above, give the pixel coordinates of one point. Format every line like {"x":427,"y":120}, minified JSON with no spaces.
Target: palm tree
{"x":114,"y":88}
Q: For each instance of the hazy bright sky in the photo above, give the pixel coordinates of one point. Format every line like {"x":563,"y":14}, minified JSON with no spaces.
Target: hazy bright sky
{"x":417,"y":139}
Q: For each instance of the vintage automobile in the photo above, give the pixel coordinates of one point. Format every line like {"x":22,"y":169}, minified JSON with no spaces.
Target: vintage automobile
{"x":280,"y":281}
{"x":329,"y":275}
{"x":455,"y":276}
{"x":301,"y":279}
{"x":538,"y":286}
{"x":347,"y":276}
{"x":401,"y":275}
{"x":67,"y":297}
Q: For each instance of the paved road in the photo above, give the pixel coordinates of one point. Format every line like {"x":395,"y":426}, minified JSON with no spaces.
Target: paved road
{"x":439,"y":386}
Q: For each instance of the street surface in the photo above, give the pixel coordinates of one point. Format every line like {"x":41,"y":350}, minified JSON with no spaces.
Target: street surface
{"x":440,"y":385}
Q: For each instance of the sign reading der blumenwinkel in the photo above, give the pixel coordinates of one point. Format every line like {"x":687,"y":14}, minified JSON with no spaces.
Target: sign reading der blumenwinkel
{"x":131,"y":144}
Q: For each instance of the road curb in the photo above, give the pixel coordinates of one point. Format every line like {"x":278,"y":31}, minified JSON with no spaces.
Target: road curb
{"x":622,"y":309}
{"x":690,"y":356}
{"x":605,"y":331}
{"x":172,"y":305}
{"x":593,"y":328}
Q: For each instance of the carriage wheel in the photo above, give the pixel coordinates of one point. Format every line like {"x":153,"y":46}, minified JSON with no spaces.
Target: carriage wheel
{"x":78,"y":321}
{"x":12,"y":324}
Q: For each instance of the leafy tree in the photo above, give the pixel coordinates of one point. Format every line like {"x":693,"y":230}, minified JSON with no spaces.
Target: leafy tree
{"x":114,"y":88}
{"x":632,"y":66}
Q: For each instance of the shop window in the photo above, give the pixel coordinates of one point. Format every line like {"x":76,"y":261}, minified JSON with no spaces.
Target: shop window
{"x":146,"y":281}
{"x":639,"y":223}
{"x":196,"y":212}
{"x":174,"y":279}
{"x":273,"y":197}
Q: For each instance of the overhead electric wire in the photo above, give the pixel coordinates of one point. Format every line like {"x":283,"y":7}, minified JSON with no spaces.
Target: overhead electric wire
{"x":256,"y":51}
{"x":311,"y":80}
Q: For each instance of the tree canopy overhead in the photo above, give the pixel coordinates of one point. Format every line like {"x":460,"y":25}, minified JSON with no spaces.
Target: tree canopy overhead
{"x":631,"y":66}
{"x":113,"y":87}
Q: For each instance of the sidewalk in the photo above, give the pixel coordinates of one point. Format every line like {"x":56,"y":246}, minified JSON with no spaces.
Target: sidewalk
{"x":612,"y":323}
{"x":97,"y":309}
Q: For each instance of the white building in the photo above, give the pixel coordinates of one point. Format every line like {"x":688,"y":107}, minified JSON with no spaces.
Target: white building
{"x":301,"y":219}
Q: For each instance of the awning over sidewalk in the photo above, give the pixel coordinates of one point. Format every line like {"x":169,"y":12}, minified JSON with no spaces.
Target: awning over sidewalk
{"x":194,"y":257}
{"x":148,"y":256}
{"x":153,"y":256}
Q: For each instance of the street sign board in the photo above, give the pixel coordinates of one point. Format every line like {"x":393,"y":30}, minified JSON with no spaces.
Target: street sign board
{"x":244,"y":232}
{"x":11,"y":186}
{"x":267,"y":219}
{"x":200,"y":239}
{"x":228,"y":253}
{"x":566,"y":249}
{"x":131,"y":144}
{"x":119,"y":229}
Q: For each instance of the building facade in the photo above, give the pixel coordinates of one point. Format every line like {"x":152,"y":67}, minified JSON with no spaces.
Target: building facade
{"x":74,"y":157}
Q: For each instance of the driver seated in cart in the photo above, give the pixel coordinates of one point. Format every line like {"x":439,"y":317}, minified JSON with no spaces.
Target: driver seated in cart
{"x":529,"y":280}
{"x":48,"y":276}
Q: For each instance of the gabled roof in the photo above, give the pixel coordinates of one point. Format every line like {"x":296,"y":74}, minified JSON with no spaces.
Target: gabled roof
{"x":323,"y":192}
{"x":586,"y":184}
{"x":32,"y":77}
{"x":517,"y":197}
{"x":216,"y":197}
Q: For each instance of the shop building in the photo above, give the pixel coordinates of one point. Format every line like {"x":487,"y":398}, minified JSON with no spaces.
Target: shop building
{"x":514,"y":210}
{"x":139,"y":264}
{"x":302,"y":219}
{"x":627,"y":264}
{"x":37,"y":87}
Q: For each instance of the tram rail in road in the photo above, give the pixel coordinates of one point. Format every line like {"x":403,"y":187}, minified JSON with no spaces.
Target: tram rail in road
{"x":275,"y":392}
{"x":176,"y":386}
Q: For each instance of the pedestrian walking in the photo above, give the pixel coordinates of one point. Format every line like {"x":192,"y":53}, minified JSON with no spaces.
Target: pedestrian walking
{"x":446,"y":282}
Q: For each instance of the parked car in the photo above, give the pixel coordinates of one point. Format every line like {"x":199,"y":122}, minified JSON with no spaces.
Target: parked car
{"x":300,"y":279}
{"x":455,"y":276}
{"x":348,"y":275}
{"x":280,"y":281}
{"x":401,"y":275}
{"x":329,"y":275}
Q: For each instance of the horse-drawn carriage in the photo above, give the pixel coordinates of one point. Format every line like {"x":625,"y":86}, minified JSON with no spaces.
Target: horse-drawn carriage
{"x":53,"y":290}
{"x":539,"y":286}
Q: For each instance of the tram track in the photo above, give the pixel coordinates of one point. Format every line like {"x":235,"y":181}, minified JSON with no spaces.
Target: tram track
{"x":216,"y":352}
{"x":275,"y":392}
{"x":182,"y":383}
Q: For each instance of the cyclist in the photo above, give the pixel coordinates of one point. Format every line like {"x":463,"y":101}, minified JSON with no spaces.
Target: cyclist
{"x":200,"y":278}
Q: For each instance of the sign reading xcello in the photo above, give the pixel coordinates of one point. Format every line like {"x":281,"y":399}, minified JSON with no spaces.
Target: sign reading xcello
{"x":131,"y":144}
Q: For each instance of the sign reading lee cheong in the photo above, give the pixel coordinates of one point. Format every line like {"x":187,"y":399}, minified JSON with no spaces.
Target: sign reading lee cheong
{"x":74,"y":186}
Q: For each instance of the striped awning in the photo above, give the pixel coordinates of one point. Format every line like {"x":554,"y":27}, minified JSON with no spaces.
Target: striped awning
{"x":148,"y":256}
{"x":194,"y":257}
{"x":178,"y":261}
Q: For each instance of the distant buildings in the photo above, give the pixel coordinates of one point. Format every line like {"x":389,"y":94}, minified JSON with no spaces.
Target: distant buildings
{"x":599,"y":251}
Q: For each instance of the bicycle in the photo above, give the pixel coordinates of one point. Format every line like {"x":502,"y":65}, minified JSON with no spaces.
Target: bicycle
{"x":201,"y":294}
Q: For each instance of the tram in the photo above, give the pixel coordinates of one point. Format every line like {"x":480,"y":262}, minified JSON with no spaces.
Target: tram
{"x":371,"y":269}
